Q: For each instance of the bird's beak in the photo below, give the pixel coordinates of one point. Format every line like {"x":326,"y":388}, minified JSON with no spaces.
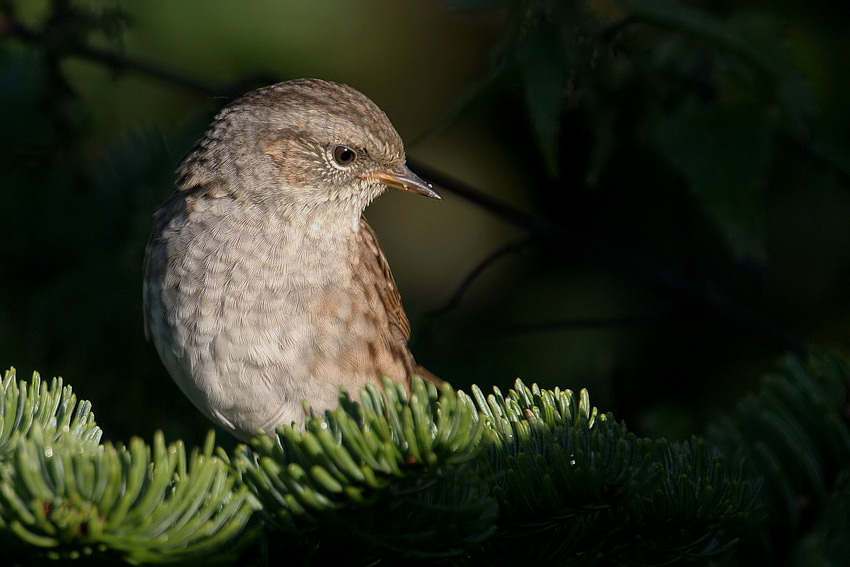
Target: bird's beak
{"x":402,"y":178}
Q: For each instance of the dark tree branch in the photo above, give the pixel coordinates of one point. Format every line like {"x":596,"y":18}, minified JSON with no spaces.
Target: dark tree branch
{"x":531,"y":223}
{"x":478,"y":270}
{"x":542,"y":230}
{"x":573,"y":324}
{"x":114,"y":60}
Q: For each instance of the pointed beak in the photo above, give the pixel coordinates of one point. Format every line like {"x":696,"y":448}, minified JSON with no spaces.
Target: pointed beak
{"x":402,"y":178}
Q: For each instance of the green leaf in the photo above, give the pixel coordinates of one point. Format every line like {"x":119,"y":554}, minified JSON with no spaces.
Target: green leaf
{"x":544,"y":81}
{"x":723,"y":152}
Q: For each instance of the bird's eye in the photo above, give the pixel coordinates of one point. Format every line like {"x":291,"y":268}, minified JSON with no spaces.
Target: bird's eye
{"x":344,"y":156}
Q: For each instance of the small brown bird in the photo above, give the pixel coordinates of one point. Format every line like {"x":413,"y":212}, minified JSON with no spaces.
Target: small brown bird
{"x":264,"y":286}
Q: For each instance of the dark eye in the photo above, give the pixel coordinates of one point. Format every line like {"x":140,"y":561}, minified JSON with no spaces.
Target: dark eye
{"x":343,"y":155}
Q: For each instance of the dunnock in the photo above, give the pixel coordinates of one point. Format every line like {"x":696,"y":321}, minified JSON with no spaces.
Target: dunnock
{"x":264,"y":286}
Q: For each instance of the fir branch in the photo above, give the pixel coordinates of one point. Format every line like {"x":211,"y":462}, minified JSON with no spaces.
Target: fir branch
{"x":794,"y":438}
{"x":532,"y":475}
{"x":412,"y":456}
{"x":66,"y":498}
{"x":53,"y":409}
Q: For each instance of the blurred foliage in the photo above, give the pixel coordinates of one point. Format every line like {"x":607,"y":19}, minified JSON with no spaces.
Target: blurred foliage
{"x":691,"y":179}
{"x":682,"y":168}
{"x":712,"y":99}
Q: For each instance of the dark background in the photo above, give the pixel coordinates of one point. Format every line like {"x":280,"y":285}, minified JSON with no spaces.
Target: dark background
{"x":676,"y":175}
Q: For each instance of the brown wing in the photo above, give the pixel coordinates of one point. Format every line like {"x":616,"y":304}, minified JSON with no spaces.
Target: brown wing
{"x":374,"y":255}
{"x":427,"y":375}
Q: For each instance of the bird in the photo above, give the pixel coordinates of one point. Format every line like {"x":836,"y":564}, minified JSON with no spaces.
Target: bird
{"x":264,"y":285}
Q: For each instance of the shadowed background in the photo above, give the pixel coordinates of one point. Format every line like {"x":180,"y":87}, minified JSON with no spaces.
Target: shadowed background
{"x":676,"y":177}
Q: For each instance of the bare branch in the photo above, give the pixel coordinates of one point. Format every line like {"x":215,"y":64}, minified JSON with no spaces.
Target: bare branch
{"x":479,"y":269}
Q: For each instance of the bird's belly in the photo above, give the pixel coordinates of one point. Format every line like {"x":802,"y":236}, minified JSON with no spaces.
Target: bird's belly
{"x":253,"y":340}
{"x":249,"y":343}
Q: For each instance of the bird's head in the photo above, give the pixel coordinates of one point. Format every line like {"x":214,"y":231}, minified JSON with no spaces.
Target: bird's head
{"x":310,"y":146}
